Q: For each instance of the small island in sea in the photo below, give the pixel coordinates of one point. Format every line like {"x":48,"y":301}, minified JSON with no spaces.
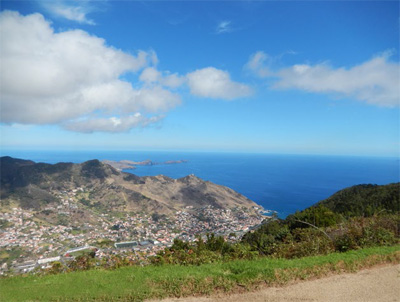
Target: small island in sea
{"x":129,"y":164}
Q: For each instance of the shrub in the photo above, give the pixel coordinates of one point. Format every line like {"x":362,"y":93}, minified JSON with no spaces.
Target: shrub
{"x":304,"y":242}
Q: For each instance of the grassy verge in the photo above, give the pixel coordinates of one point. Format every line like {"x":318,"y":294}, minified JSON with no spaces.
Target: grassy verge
{"x":139,"y":283}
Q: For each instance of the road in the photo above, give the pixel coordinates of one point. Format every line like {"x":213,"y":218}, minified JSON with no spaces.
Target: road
{"x":379,"y":284}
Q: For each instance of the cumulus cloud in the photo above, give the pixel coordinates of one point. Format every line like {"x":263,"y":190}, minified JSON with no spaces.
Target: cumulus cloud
{"x":155,"y":99}
{"x":375,"y":81}
{"x":70,"y":10}
{"x":214,"y":83}
{"x":259,"y":64}
{"x":151,"y":75}
{"x":208,"y":82}
{"x":75,"y":80}
{"x":173,"y":80}
{"x":112,"y":124}
{"x":223,"y":27}
{"x":51,"y":78}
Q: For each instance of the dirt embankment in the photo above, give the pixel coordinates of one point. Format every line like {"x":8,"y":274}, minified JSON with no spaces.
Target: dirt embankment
{"x":380,"y":284}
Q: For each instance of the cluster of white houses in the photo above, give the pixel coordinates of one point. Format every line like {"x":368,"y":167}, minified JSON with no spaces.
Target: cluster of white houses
{"x":43,"y":243}
{"x":136,"y":245}
{"x":43,"y":263}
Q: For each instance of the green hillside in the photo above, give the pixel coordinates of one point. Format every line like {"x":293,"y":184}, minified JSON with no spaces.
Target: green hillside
{"x":356,"y":217}
{"x":322,"y":239}
{"x":365,"y":200}
{"x":139,"y":283}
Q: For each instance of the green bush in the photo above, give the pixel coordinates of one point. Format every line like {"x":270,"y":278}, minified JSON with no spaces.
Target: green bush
{"x":302,"y":243}
{"x":361,"y":232}
{"x":319,"y":216}
{"x":373,"y":236}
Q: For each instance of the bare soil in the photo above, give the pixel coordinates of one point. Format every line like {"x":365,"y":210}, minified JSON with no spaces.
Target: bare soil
{"x":379,"y":284}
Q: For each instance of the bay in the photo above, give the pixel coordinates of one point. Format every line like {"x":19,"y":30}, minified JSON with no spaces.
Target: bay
{"x":283,"y":183}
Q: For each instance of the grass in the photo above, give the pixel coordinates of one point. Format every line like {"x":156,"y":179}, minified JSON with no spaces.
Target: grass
{"x":139,"y":283}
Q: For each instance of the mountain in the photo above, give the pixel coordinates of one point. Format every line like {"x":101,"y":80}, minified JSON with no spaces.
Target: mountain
{"x":364,"y":200}
{"x":356,"y":217}
{"x":104,"y":189}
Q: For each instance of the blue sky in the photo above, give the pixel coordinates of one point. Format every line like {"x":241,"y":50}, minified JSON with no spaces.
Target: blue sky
{"x":274,"y":77}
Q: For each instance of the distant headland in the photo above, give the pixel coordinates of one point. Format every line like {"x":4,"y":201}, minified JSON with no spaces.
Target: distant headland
{"x":128,"y":164}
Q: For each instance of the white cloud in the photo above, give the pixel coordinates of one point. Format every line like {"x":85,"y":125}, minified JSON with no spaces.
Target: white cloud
{"x":73,"y":79}
{"x":173,"y":80}
{"x":153,"y":57}
{"x":151,"y":75}
{"x":258,"y":64}
{"x":50,"y":78}
{"x":223,"y":27}
{"x":207,"y":82}
{"x":112,"y":124}
{"x":156,"y":99}
{"x":214,"y":83}
{"x":70,"y":10}
{"x":375,"y":81}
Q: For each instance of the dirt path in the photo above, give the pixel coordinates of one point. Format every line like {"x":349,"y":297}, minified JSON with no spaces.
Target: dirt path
{"x":380,"y":284}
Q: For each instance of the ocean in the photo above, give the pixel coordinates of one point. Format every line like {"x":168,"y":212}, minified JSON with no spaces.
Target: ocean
{"x":283,"y":183}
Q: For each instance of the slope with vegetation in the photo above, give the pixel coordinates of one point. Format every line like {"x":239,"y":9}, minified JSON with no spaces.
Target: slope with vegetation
{"x":356,"y":217}
{"x":320,"y":240}
{"x":137,"y":283}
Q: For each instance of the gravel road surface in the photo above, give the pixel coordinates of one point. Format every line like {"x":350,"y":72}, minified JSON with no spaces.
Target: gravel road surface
{"x":380,"y":284}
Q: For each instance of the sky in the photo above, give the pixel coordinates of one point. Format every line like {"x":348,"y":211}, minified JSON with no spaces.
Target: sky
{"x":312,"y":77}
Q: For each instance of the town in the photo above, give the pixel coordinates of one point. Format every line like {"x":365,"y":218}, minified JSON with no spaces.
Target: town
{"x":38,"y":244}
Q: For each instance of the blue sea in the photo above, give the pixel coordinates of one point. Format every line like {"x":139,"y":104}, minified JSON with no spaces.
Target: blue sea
{"x":283,"y":183}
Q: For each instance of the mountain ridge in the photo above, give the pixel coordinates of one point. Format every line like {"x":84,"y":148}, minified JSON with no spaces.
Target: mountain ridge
{"x":33,"y":185}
